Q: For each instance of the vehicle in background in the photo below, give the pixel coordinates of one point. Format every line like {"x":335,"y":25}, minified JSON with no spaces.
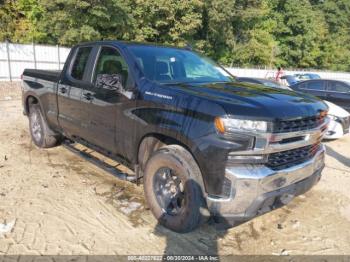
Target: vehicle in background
{"x":289,"y":80}
{"x":339,"y":121}
{"x":262,"y":81}
{"x":202,"y":143}
{"x":335,"y":91}
{"x":339,"y":117}
{"x":307,"y":76}
{"x":271,"y":75}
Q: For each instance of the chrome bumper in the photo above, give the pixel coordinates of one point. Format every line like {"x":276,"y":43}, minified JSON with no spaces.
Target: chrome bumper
{"x":256,"y":188}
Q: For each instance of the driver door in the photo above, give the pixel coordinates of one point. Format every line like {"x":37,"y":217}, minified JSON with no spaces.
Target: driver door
{"x":105,"y":101}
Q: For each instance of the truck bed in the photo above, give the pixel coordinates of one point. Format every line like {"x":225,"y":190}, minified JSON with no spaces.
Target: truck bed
{"x":49,"y":75}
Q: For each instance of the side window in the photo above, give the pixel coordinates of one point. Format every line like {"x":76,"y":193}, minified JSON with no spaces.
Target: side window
{"x":315,"y":85}
{"x":80,"y":62}
{"x":301,"y":85}
{"x":338,"y":87}
{"x":111,"y":70}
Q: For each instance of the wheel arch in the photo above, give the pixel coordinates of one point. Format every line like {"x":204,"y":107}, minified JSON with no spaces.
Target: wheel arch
{"x":151,"y":142}
{"x":30,"y":100}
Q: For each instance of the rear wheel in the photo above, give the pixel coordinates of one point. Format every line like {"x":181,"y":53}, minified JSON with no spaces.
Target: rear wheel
{"x":173,"y":189}
{"x":41,"y":134}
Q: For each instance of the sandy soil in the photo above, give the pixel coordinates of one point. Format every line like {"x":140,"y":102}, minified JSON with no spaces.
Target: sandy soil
{"x":53,"y":202}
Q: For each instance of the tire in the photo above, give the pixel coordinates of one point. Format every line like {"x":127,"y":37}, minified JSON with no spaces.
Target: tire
{"x":180,"y":209}
{"x":40,"y":132}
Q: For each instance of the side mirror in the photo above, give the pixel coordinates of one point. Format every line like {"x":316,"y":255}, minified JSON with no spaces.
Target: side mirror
{"x":115,"y":83}
{"x":110,"y":81}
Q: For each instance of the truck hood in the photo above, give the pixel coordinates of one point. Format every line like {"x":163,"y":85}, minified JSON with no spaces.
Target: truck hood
{"x":257,"y":101}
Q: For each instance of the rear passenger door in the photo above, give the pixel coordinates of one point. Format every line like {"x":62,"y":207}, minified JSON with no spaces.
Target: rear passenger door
{"x":314,"y":87}
{"x":339,"y":93}
{"x":70,"y":90}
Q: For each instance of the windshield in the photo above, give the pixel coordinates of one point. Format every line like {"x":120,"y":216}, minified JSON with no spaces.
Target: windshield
{"x":172,"y":65}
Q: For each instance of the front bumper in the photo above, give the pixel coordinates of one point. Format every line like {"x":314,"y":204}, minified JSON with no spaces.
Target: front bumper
{"x":257,"y":189}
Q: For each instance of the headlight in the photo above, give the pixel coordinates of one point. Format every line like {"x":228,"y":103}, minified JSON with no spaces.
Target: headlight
{"x":231,"y":125}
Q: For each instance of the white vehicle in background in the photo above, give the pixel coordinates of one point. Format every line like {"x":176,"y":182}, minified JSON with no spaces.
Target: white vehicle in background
{"x":340,"y":121}
{"x":307,"y":76}
{"x":339,"y":117}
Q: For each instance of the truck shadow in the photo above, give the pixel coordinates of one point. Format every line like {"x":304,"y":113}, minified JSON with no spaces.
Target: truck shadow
{"x":202,"y":241}
{"x":342,"y":159}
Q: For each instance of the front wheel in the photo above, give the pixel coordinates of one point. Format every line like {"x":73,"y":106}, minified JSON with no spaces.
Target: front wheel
{"x":173,"y":188}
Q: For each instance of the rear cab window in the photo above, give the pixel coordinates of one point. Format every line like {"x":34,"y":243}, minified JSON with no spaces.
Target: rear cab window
{"x":80,"y":62}
{"x":314,"y":85}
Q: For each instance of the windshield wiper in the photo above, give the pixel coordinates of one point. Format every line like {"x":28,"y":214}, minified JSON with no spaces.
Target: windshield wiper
{"x":173,"y":83}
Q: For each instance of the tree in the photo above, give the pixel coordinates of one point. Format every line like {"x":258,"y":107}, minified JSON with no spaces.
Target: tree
{"x":68,"y":22}
{"x":253,"y":28}
{"x":300,"y":31}
{"x":335,"y":49}
{"x":291,"y":33}
{"x":216,"y":36}
{"x":164,"y":21}
{"x":9,"y":16}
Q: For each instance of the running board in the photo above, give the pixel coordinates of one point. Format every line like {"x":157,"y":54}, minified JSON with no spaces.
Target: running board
{"x":112,"y":169}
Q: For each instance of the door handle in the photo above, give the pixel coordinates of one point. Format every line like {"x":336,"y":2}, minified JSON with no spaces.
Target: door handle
{"x":63,"y":90}
{"x":88,"y":96}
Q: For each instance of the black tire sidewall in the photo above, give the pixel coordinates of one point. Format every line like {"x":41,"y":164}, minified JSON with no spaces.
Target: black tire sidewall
{"x":189,"y":218}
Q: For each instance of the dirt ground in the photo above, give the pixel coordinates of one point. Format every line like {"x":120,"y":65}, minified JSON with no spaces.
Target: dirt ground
{"x":54,"y":202}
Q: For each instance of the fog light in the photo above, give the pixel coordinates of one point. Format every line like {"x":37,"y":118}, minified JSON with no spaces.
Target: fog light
{"x":280,"y":182}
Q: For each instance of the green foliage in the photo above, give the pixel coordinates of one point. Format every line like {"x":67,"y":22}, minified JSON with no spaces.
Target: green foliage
{"x":164,"y":21}
{"x":291,"y":33}
{"x":335,"y":50}
{"x":300,"y":31}
{"x":68,"y":22}
{"x":256,"y":44}
{"x":8,"y":19}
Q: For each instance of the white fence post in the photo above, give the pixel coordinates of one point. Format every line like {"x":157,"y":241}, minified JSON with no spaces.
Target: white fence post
{"x":34,"y":55}
{"x":58,"y":57}
{"x":8,"y":59}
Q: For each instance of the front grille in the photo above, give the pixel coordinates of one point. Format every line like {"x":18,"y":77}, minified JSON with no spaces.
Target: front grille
{"x":298,"y":124}
{"x":289,"y":158}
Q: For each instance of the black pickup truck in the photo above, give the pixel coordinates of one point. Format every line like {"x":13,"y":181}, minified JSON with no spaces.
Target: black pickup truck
{"x":203,"y":144}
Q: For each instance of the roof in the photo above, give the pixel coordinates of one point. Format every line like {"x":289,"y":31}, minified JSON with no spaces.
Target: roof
{"x":323,"y":79}
{"x":129,"y":43}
